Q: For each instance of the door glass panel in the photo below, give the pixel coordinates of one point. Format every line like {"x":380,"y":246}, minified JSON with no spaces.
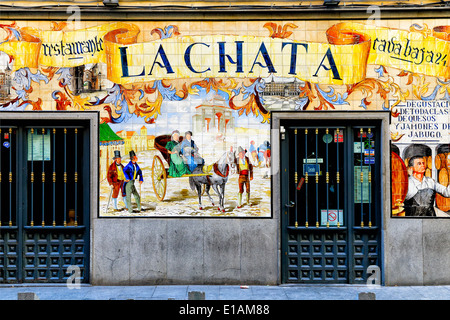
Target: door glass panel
{"x":363,"y":176}
{"x":55,"y":169}
{"x":317,"y":192}
{"x":8,"y":202}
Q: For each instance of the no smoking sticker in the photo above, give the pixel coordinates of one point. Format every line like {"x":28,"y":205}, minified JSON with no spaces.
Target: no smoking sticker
{"x":334,"y":216}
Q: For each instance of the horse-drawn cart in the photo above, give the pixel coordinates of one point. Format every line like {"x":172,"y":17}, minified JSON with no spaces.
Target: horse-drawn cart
{"x":160,"y":172}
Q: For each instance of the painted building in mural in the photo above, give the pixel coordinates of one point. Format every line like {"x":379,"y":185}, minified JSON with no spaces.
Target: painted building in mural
{"x":193,"y":101}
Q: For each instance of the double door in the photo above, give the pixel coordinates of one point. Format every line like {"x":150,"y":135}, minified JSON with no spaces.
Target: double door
{"x":44,"y":208}
{"x":330,"y":201}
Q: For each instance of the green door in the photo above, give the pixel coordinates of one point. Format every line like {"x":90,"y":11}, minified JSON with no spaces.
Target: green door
{"x":44,"y":209}
{"x":330,"y":200}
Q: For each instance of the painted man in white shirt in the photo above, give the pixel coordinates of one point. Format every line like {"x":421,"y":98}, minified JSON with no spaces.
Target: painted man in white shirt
{"x":420,"y":199}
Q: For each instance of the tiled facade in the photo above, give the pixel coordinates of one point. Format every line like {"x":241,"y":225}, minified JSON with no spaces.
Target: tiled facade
{"x":148,"y":78}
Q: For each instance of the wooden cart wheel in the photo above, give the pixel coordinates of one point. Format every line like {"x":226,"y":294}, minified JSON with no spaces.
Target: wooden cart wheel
{"x":159,"y":178}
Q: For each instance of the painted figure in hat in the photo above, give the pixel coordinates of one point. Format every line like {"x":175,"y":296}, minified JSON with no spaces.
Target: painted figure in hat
{"x":245,"y":171}
{"x":132,"y":172}
{"x":177,"y":166}
{"x":419,"y":200}
{"x":189,"y":151}
{"x":116,"y":178}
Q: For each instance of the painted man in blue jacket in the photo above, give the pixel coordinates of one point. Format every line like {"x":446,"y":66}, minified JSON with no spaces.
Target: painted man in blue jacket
{"x":190,"y":152}
{"x":132,"y":172}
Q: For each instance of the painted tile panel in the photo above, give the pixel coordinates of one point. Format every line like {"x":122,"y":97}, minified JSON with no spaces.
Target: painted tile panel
{"x":215,"y":83}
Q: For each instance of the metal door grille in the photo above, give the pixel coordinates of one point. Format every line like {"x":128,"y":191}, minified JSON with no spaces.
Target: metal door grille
{"x":330,"y":204}
{"x":8,"y":199}
{"x":43,"y":210}
{"x":53,"y":186}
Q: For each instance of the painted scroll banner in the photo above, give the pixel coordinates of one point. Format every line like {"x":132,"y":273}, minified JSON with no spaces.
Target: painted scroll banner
{"x":31,"y":47}
{"x":21,"y":46}
{"x":416,"y":50}
{"x":218,"y":56}
{"x":350,"y":44}
{"x":73,"y":48}
{"x":343,"y":60}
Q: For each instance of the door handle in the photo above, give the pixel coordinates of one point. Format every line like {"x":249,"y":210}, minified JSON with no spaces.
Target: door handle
{"x":290,"y":204}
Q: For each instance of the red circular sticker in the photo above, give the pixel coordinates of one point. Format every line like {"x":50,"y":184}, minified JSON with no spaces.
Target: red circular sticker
{"x":332,"y":216}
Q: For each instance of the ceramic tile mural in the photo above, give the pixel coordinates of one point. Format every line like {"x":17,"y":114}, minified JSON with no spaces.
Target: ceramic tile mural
{"x":192,"y":101}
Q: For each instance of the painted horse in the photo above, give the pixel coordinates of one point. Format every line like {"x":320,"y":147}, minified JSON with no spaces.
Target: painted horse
{"x":217,"y":179}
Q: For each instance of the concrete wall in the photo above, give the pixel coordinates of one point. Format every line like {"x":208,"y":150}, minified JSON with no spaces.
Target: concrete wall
{"x":184,"y":251}
{"x":417,"y":252}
